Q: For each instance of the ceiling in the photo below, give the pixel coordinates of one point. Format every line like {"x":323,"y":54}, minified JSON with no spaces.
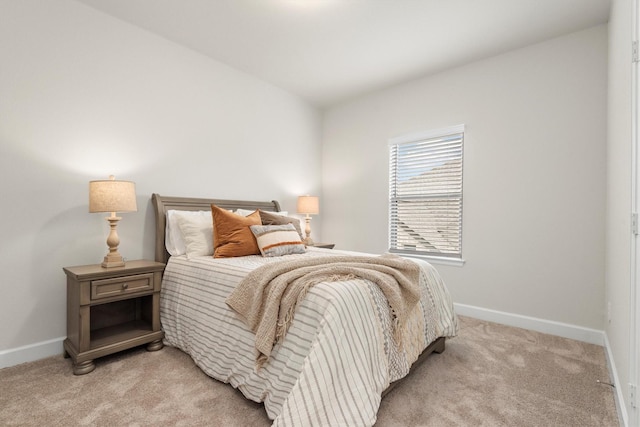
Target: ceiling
{"x":328,"y":51}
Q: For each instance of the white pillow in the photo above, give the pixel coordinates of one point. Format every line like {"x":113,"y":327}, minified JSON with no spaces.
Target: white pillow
{"x":173,"y":240}
{"x":197,"y":234}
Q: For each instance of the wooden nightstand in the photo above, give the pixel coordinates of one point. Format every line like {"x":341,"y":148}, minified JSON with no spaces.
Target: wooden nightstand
{"x":324,"y":245}
{"x":112,"y":309}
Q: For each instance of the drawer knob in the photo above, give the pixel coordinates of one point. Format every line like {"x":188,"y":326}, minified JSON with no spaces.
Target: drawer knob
{"x":125,"y":286}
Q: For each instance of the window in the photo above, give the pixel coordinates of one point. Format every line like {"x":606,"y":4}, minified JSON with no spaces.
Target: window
{"x":425,"y":193}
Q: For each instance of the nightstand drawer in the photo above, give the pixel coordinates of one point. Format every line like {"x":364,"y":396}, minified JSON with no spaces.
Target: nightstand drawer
{"x":118,"y":286}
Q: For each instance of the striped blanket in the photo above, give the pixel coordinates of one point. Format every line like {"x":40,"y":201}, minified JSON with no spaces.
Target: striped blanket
{"x":336,"y":358}
{"x":267,"y":297}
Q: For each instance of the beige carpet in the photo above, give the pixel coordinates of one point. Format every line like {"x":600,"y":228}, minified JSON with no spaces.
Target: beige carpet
{"x":490,"y":375}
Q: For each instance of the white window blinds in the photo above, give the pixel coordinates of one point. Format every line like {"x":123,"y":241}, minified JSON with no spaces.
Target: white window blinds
{"x":425,"y":193}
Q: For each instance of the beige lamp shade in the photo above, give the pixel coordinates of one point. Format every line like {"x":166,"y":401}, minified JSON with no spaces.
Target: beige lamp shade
{"x":112,"y":196}
{"x":308,"y":205}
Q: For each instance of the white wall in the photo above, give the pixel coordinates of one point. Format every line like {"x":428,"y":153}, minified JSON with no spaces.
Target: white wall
{"x":82,"y":96}
{"x":618,"y":220}
{"x":534,"y":174}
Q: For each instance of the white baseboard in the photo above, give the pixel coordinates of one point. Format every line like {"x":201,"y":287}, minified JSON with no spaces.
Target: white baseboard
{"x":565,"y":330}
{"x":31,"y":352}
{"x":613,"y":373}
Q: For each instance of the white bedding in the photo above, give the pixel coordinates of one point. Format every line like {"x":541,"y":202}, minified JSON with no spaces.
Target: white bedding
{"x":336,"y":359}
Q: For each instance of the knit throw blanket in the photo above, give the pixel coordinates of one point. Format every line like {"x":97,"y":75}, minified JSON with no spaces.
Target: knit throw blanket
{"x":266,"y":298}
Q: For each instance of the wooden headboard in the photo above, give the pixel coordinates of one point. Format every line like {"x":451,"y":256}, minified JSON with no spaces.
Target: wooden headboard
{"x":161,"y":204}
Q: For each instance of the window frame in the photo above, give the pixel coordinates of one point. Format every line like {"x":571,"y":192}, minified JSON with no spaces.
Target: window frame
{"x":447,"y":259}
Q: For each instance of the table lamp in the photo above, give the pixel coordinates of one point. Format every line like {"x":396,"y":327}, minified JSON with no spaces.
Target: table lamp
{"x":308,"y":205}
{"x":112,"y":196}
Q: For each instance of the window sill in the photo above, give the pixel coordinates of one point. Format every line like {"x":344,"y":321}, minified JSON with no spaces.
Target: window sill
{"x":455,"y":262}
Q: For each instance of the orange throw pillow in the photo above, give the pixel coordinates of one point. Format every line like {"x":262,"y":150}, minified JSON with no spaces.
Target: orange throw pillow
{"x":232,"y":236}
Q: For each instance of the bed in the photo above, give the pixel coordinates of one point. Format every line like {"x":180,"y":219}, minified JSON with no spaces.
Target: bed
{"x":339,"y":356}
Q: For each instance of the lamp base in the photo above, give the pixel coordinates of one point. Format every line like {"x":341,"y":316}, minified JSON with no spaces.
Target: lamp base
{"x":307,"y":231}
{"x":113,"y":260}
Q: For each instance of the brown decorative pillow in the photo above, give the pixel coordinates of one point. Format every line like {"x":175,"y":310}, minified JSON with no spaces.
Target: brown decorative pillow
{"x":231,"y":233}
{"x":269,"y":218}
